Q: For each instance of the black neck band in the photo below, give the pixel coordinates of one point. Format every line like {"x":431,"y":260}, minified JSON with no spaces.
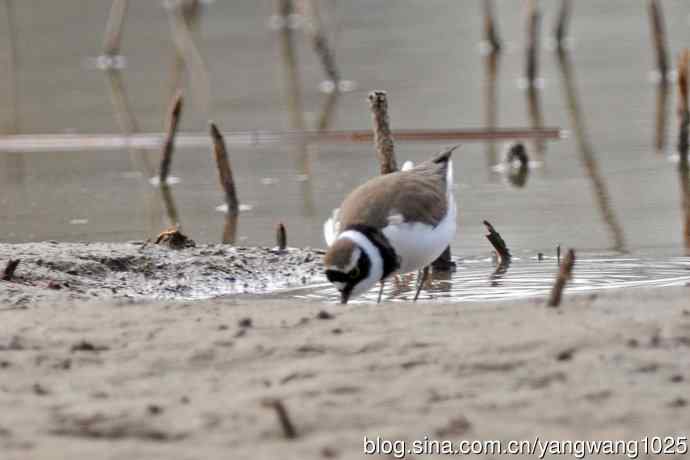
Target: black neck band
{"x":390,"y":259}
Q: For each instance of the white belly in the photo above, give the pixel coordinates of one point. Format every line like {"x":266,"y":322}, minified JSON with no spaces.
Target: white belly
{"x":419,"y":244}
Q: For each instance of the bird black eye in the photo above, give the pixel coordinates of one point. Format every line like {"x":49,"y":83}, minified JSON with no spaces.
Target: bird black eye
{"x":354,"y":273}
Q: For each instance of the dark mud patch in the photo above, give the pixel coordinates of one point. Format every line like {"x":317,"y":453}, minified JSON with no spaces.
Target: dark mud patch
{"x":81,"y":271}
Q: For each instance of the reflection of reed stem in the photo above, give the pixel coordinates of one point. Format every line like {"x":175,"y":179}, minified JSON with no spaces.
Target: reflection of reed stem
{"x":114,"y":28}
{"x":536,"y":118}
{"x":656,"y":18}
{"x":587,"y":154}
{"x":126,"y":119}
{"x":532,"y":48}
{"x":684,"y":125}
{"x":289,"y":54}
{"x":561,"y":31}
{"x":490,"y":27}
{"x":183,"y":16}
{"x":491,"y":100}
{"x":661,"y":116}
{"x":12,"y":59}
{"x":169,"y":203}
{"x":320,"y":43}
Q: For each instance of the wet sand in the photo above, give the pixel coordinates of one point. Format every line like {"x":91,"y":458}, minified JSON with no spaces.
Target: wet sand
{"x":184,"y":380}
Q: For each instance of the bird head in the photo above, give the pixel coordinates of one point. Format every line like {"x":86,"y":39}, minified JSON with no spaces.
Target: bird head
{"x":349,"y":268}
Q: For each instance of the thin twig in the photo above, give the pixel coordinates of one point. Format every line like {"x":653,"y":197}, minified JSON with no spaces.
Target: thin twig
{"x":564,"y":274}
{"x":169,"y":144}
{"x":385,"y":148}
{"x":10,"y":268}
{"x":561,"y":31}
{"x":225,"y":175}
{"x":281,"y":237}
{"x":498,"y":243}
{"x":114,"y":28}
{"x":656,"y":18}
{"x":283,"y":417}
{"x":490,"y":27}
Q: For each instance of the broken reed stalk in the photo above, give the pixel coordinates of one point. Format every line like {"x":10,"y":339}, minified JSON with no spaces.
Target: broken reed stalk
{"x":490,"y":28}
{"x":281,"y":237}
{"x":498,"y":243}
{"x":227,"y":180}
{"x":561,"y":32}
{"x":564,"y":274}
{"x":320,"y":43}
{"x":385,"y":149}
{"x":683,"y":108}
{"x":10,"y":268}
{"x":532,"y":49}
{"x":656,"y":18}
{"x":114,"y":27}
{"x":169,"y":144}
{"x":286,"y":424}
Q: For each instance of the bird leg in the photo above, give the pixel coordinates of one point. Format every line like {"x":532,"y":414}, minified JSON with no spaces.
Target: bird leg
{"x":422,"y":275}
{"x":380,"y":292}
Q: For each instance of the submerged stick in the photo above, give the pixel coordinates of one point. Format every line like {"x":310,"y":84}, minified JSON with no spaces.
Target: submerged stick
{"x":561,"y":32}
{"x":656,"y":18}
{"x":169,"y":143}
{"x":114,"y":28}
{"x":283,"y":417}
{"x":281,"y":237}
{"x":10,"y":268}
{"x":383,"y":139}
{"x":498,"y":243}
{"x":532,"y":47}
{"x":490,"y":28}
{"x":564,"y":274}
{"x":225,"y":175}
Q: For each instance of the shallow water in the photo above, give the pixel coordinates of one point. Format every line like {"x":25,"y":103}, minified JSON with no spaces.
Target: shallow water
{"x":480,"y":280}
{"x":610,"y":187}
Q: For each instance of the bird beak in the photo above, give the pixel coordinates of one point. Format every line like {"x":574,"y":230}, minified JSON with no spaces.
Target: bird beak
{"x":344,"y":296}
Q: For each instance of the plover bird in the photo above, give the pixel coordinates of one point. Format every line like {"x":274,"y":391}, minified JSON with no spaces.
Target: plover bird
{"x":395,"y":223}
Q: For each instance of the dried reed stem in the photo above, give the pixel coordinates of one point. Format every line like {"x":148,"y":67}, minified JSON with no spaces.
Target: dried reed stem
{"x":532,"y":48}
{"x":281,"y":237}
{"x":561,"y":31}
{"x":227,"y":180}
{"x":498,"y":243}
{"x":383,"y":138}
{"x":283,"y":417}
{"x":490,"y":27}
{"x":656,"y":18}
{"x":114,"y":28}
{"x":10,"y":268}
{"x":564,"y":274}
{"x":169,"y":145}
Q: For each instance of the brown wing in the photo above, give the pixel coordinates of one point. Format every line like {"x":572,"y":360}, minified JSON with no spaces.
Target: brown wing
{"x":418,"y":195}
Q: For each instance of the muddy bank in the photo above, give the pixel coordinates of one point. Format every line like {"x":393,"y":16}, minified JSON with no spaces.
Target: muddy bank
{"x":175,"y":380}
{"x":53,"y":271}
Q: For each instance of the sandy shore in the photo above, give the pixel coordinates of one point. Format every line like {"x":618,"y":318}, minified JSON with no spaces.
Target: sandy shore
{"x":186,"y":380}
